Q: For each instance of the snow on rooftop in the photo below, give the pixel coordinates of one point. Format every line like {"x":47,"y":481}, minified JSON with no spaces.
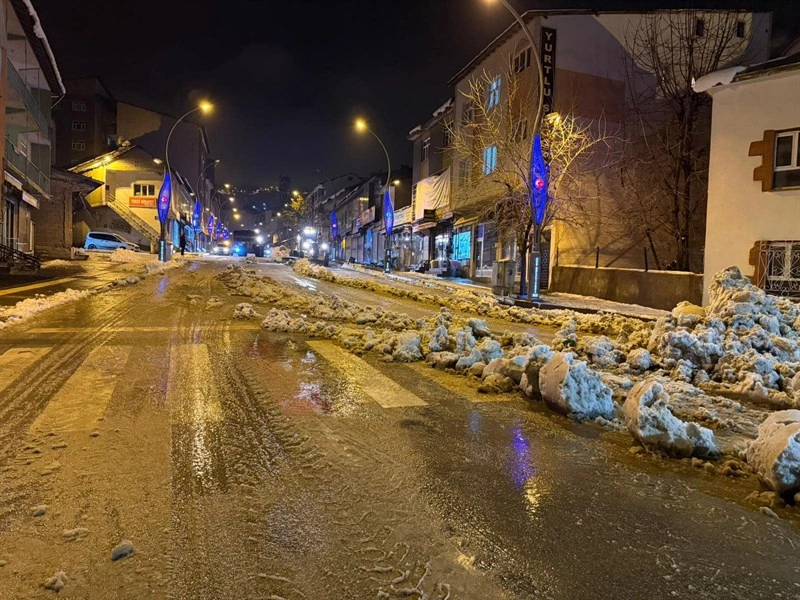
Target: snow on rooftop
{"x":721,"y":77}
{"x":443,"y":108}
{"x":415,"y":131}
{"x":39,"y":31}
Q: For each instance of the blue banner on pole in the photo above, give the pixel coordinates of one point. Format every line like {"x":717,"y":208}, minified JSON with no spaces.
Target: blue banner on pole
{"x":539,"y":175}
{"x":196,"y":214}
{"x":211,"y":226}
{"x":388,"y":213}
{"x":334,"y":225}
{"x":164,"y":196}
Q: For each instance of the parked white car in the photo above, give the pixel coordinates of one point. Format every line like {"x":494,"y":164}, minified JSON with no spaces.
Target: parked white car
{"x":101,"y":240}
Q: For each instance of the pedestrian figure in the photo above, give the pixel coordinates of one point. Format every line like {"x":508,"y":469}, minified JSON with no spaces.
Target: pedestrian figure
{"x":183,"y":243}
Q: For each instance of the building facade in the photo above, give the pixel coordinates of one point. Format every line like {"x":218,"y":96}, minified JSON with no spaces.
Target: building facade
{"x":754,"y":175}
{"x":86,"y":121}
{"x":125,"y":202}
{"x":584,"y":61}
{"x":29,"y":82}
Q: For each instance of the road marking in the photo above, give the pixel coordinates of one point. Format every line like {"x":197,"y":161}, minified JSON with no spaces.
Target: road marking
{"x":456,"y":384}
{"x":83,"y":398}
{"x":36,"y":286}
{"x":15,"y":360}
{"x":383,"y":390}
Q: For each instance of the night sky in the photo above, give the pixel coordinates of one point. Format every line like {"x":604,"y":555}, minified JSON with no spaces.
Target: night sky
{"x":287,"y":77}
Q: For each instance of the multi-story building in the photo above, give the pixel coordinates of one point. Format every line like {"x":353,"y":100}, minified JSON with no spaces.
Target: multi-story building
{"x":125,"y":203}
{"x":754,"y":174}
{"x":585,"y":60}
{"x":30,"y":80}
{"x":86,"y":121}
{"x":431,"y":216}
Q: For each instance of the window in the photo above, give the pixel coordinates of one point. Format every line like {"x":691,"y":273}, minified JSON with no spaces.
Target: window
{"x":521,"y":130}
{"x":79,"y":126}
{"x":426,"y":149}
{"x":144,"y":189}
{"x":787,"y":160}
{"x":468,"y":114}
{"x":493,"y":92}
{"x":78,"y":145}
{"x":699,"y":28}
{"x":463,"y":172}
{"x":448,"y":133}
{"x":489,"y":159}
{"x":79,"y":106}
{"x":740,"y":29}
{"x":522,"y":60}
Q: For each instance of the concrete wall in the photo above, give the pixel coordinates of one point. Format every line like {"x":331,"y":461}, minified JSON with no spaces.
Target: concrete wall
{"x":739,"y":213}
{"x":656,"y":289}
{"x":54,"y":223}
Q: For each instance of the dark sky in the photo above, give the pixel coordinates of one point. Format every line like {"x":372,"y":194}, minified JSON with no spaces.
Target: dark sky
{"x":287,"y":77}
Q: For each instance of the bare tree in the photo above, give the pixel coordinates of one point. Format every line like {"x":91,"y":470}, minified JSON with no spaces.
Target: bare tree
{"x":664,"y":173}
{"x":494,"y":141}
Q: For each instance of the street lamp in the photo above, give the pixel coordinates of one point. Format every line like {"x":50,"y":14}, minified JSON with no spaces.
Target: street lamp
{"x":165,"y":194}
{"x":388,"y":207}
{"x":534,"y":261}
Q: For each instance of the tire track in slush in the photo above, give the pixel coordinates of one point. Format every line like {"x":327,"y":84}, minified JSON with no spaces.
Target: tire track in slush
{"x":362,"y":532}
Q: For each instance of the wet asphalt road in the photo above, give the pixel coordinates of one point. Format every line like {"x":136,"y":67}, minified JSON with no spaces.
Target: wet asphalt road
{"x":242,"y":464}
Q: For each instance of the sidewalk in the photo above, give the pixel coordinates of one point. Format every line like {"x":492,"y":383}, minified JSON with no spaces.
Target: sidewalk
{"x":60,"y":275}
{"x":548,"y":301}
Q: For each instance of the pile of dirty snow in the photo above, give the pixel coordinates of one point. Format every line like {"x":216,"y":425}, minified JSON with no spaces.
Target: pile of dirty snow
{"x":123,"y":255}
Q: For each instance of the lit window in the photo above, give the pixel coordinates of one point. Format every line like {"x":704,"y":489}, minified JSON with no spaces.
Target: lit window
{"x":78,"y":145}
{"x":522,"y":60}
{"x":493,"y":92}
{"x":787,"y":160}
{"x":79,"y":106}
{"x":426,"y":149}
{"x":79,"y":126}
{"x":489,"y":159}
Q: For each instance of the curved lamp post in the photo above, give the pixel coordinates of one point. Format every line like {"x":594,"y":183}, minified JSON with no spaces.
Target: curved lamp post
{"x":165,"y":194}
{"x":538,"y":205}
{"x":388,"y":207}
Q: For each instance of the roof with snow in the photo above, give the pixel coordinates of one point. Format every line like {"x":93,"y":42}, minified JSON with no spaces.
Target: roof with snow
{"x":30,"y":22}
{"x":723,"y":77}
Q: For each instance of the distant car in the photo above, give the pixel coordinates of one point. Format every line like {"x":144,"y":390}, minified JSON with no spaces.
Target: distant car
{"x":220,"y":250}
{"x":100,"y":240}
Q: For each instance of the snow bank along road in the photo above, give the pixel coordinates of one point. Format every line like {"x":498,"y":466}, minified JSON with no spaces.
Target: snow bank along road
{"x":153,"y":445}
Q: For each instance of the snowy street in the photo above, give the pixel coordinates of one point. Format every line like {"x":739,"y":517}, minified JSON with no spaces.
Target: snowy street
{"x":194,"y":434}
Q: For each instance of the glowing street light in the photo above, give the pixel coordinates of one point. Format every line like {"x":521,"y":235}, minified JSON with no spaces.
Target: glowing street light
{"x":388,"y":206}
{"x":165,"y":194}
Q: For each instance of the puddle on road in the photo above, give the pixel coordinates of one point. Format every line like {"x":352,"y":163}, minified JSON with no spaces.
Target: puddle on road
{"x":298,"y":380}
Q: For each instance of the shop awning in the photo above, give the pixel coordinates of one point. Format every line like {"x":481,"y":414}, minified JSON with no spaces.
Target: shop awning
{"x":466,"y":221}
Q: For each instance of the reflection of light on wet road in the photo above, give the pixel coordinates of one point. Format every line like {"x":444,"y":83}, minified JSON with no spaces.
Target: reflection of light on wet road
{"x":162,"y":287}
{"x":475,"y":418}
{"x":523,"y":472}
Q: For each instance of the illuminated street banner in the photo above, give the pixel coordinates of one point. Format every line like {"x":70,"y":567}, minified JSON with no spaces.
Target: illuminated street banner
{"x":388,"y":213}
{"x":334,"y":225}
{"x":164,"y":196}
{"x":196,"y":214}
{"x":539,"y":173}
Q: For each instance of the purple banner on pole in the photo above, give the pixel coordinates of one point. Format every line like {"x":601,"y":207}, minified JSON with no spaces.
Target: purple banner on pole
{"x":164,"y":196}
{"x":388,"y":213}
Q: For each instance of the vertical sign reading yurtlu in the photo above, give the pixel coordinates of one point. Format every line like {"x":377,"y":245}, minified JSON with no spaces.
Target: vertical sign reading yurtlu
{"x":548,"y":54}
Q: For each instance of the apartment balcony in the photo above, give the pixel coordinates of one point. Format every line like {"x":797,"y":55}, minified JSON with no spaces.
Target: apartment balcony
{"x":26,"y":170}
{"x":26,"y":99}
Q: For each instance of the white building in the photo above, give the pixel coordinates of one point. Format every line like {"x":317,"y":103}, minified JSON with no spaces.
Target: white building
{"x":754,"y":174}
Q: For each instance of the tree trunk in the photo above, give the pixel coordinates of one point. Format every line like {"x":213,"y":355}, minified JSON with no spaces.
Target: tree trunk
{"x":523,"y":244}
